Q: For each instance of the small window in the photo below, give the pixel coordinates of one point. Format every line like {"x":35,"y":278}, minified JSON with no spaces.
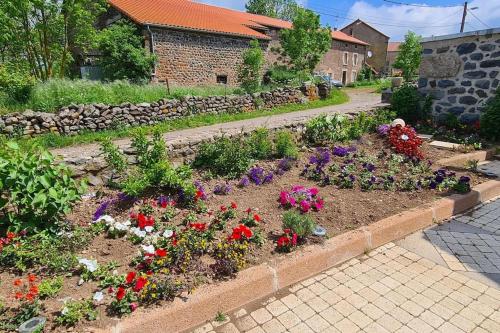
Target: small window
{"x":345,"y":58}
{"x":355,"y":59}
{"x":354,"y":76}
{"x":222,"y":79}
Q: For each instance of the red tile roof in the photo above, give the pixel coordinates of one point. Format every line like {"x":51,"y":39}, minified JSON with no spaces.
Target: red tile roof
{"x":339,"y":35}
{"x":393,"y":46}
{"x":184,"y":14}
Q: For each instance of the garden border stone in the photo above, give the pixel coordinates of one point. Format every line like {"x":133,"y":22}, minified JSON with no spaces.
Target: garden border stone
{"x":262,"y":280}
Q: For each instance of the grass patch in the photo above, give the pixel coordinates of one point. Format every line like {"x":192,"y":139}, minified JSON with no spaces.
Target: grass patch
{"x":59,"y":141}
{"x":378,"y":85}
{"x":50,"y":96}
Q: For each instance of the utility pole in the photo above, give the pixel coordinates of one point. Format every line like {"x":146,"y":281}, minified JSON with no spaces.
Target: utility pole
{"x":463,"y":17}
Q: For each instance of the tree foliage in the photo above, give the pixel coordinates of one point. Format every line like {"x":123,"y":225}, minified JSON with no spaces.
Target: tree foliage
{"x":282,"y":9}
{"x":307,"y":42}
{"x":46,"y":33}
{"x":410,"y":56}
{"x":122,"y":53}
{"x":250,"y":70}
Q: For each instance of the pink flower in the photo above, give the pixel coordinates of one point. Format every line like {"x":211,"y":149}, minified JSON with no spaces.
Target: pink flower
{"x":318,"y":205}
{"x":294,"y":239}
{"x":283,"y":198}
{"x":305,"y":206}
{"x":133,"y":307}
{"x":313,"y":191}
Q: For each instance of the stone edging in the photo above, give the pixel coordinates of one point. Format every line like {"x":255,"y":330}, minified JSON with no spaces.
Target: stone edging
{"x":262,"y":280}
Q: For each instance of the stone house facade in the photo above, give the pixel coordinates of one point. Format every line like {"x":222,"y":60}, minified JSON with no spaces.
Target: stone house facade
{"x":392,"y":54}
{"x":461,"y":72}
{"x":345,"y":59}
{"x":378,"y":43}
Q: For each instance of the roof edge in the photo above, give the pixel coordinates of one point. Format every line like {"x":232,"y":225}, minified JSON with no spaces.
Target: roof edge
{"x":214,"y":32}
{"x":462,"y":34}
{"x":380,"y":32}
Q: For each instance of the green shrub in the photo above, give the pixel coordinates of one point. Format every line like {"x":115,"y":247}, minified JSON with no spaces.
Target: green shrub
{"x":260,"y":144}
{"x":15,"y":84}
{"x":74,"y":311}
{"x":35,"y":190}
{"x":490,"y":119}
{"x":285,"y":145}
{"x":303,"y":225}
{"x":249,"y":71}
{"x":410,"y":106}
{"x":224,"y":157}
{"x":327,"y":128}
{"x":49,"y":288}
{"x":153,"y":168}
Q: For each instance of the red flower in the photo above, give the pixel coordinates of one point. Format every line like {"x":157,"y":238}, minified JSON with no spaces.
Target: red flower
{"x":199,"y":226}
{"x":149,"y":273}
{"x":283,"y":241}
{"x":233,"y":205}
{"x":404,"y":140}
{"x":19,"y":295}
{"x":140,"y":283}
{"x":161,"y":253}
{"x":256,"y":217}
{"x":34,"y":290}
{"x":18,"y":282}
{"x":30,"y":297}
{"x":11,"y":235}
{"x":130,"y":277}
{"x":240,"y":232}
{"x":31,"y":278}
{"x":294,"y":239}
{"x":249,"y":210}
{"x":199,"y":195}
{"x":120,"y":294}
{"x":223,"y":208}
{"x":287,"y":231}
{"x":145,"y":221}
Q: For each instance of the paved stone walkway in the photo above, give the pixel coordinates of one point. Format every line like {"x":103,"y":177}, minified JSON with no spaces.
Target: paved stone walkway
{"x":360,"y":100}
{"x":413,"y":285}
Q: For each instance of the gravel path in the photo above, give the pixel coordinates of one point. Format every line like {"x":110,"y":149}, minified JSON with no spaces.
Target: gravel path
{"x":360,"y":100}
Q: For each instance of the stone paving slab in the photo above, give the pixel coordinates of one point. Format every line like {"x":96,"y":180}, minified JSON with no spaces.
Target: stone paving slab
{"x":390,"y":289}
{"x":490,"y":168}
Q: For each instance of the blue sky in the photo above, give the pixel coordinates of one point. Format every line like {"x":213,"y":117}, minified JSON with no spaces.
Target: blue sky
{"x":394,"y":19}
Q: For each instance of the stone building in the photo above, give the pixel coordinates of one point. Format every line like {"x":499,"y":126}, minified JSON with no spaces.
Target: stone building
{"x":345,"y":58}
{"x":377,"y":50}
{"x":201,"y":45}
{"x":461,"y":72}
{"x":392,"y":54}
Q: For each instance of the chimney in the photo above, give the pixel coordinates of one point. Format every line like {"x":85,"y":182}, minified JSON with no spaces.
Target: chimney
{"x":335,"y":29}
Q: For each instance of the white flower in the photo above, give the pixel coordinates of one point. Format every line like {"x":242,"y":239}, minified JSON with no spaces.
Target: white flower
{"x":149,"y":249}
{"x":64,"y":311}
{"x":90,"y":265}
{"x":404,"y":137}
{"x":107,"y":219}
{"x":98,"y":296}
{"x":168,"y":233}
{"x":121,"y":227}
{"x":149,"y":229}
{"x":128,"y":223}
{"x":138,"y":232}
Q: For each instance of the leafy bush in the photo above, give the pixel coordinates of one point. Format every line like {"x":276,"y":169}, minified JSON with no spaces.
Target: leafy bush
{"x":74,"y":311}
{"x":249,"y":71}
{"x":327,"y":128}
{"x":15,"y":84}
{"x":49,"y":288}
{"x":260,"y":144}
{"x":301,"y":224}
{"x":410,"y":106}
{"x":122,"y":53}
{"x":35,"y":190}
{"x":285,"y":145}
{"x":224,"y":157}
{"x":154,"y":169}
{"x":490,"y":120}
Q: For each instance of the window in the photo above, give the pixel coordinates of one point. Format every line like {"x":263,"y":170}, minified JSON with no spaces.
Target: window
{"x":354,"y":76}
{"x":345,"y":58}
{"x":222,"y":79}
{"x":354,"y":59}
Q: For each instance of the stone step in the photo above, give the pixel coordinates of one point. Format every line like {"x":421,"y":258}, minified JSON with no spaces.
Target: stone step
{"x":445,"y":145}
{"x":490,"y":168}
{"x":425,"y":137}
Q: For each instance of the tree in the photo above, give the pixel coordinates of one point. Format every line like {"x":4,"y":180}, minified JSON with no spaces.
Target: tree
{"x":249,"y":72}
{"x":410,"y":56}
{"x":46,"y":34}
{"x":307,"y":42}
{"x":122,"y":53}
{"x":283,"y":9}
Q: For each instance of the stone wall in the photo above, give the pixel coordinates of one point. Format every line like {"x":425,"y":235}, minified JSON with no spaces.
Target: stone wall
{"x":460,"y":72}
{"x":95,"y":117}
{"x":332,"y":62}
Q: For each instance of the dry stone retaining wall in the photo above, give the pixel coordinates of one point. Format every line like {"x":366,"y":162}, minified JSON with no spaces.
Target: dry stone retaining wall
{"x":95,"y":117}
{"x":461,"y":72}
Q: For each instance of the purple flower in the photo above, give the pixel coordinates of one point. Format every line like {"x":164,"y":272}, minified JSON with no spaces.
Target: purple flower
{"x":256,"y":175}
{"x":222,"y":189}
{"x":383,"y":130}
{"x":340,"y":151}
{"x":321,"y":157}
{"x":101,"y":210}
{"x":464,"y":180}
{"x":286,"y":164}
{"x":268,"y":178}
{"x":369,"y":167}
{"x":244,"y":182}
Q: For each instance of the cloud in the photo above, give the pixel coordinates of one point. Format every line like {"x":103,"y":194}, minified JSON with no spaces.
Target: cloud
{"x":237,"y":4}
{"x":396,"y":20}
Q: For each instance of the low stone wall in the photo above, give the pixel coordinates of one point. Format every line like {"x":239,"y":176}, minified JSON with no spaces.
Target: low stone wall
{"x":461,"y":72}
{"x":96,"y":117}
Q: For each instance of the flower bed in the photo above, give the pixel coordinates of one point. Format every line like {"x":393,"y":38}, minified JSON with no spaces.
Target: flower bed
{"x":181,"y":230}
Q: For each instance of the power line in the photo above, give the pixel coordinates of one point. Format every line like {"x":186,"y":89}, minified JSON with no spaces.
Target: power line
{"x":421,"y":6}
{"x":389,"y":25}
{"x":477,"y":18}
